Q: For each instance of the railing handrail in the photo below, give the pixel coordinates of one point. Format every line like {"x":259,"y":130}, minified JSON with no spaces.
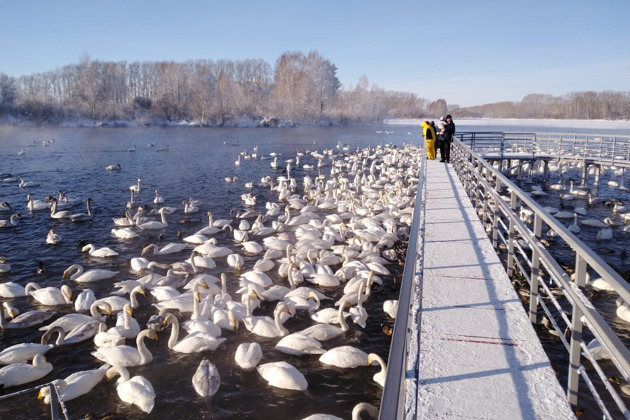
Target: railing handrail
{"x":393,"y":400}
{"x":480,"y":174}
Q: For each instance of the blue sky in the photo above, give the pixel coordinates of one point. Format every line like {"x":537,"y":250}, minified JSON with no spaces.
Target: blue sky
{"x":467,"y":52}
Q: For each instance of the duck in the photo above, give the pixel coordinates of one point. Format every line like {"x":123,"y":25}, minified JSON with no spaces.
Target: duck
{"x":135,"y":390}
{"x":20,"y":373}
{"x":283,"y":375}
{"x":124,"y":355}
{"x":103,"y":252}
{"x":95,"y":274}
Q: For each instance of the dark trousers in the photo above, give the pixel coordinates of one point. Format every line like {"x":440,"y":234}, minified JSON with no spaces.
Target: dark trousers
{"x":439,"y":145}
{"x":446,"y":153}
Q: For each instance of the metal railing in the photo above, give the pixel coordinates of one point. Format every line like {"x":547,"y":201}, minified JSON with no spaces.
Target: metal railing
{"x":528,"y":256}
{"x":608,"y":149}
{"x":58,"y":409}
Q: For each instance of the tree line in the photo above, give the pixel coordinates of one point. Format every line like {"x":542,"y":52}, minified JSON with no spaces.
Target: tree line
{"x":300,"y":88}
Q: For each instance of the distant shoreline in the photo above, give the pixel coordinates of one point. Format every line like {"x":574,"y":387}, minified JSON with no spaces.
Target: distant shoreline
{"x":594,"y":124}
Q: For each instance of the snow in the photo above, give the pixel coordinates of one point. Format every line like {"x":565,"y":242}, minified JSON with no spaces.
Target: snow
{"x":478,"y":355}
{"x":582,"y":124}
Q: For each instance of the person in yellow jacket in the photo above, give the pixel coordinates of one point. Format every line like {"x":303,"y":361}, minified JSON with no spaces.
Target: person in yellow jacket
{"x":428,"y":132}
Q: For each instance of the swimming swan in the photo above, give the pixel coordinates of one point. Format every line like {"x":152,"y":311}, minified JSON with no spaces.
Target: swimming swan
{"x":127,"y":355}
{"x":103,"y":252}
{"x":193,"y":343}
{"x":206,"y":379}
{"x":248,"y":355}
{"x":50,"y":295}
{"x":75,"y":385}
{"x":380,"y":376}
{"x":78,"y":334}
{"x":89,"y":276}
{"x":20,"y":353}
{"x":345,"y":357}
{"x":21,"y":373}
{"x":137,"y":390}
{"x":283,"y":375}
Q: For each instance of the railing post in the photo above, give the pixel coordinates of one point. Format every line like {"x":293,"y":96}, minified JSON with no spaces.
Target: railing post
{"x":510,"y":260}
{"x":533,"y":300}
{"x":574,"y":356}
{"x":580,"y":271}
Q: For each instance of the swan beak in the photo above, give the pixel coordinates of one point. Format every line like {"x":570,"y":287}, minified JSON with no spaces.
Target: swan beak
{"x":41,"y":395}
{"x":197,"y":297}
{"x":130,"y":311}
{"x":153,"y":335}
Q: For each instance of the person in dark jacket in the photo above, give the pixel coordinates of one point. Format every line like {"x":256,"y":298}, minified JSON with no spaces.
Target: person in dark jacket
{"x":449,"y":131}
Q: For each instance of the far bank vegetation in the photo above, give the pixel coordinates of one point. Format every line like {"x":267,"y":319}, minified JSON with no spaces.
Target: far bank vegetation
{"x":300,"y":89}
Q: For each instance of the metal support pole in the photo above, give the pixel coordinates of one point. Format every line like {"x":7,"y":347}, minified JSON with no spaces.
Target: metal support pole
{"x":574,"y":356}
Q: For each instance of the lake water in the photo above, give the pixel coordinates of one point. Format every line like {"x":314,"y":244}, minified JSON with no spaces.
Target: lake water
{"x":182,"y":163}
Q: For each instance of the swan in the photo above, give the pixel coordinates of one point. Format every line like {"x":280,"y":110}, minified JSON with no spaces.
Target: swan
{"x":137,"y":390}
{"x":117,"y":303}
{"x":158,"y":198}
{"x":206,"y":379}
{"x":5,"y":206}
{"x":593,"y":223}
{"x":124,"y":233}
{"x":11,"y":289}
{"x":154,"y":224}
{"x":63,"y":214}
{"x":20,"y":353}
{"x":21,"y":373}
{"x":53,"y":238}
{"x":104,"y":252}
{"x":170,"y":248}
{"x":4,"y":268}
{"x":266,"y":326}
{"x":248,"y":355}
{"x":623,"y":310}
{"x":89,"y":276}
{"x":127,"y":355}
{"x":324,"y":332}
{"x":13,"y":221}
{"x":50,"y":295}
{"x":299,"y":344}
{"x":135,"y":188}
{"x":75,"y":385}
{"x":83,"y":217}
{"x":113,"y":167}
{"x":35,"y":205}
{"x":283,"y":375}
{"x":27,"y":319}
{"x":78,"y":334}
{"x":574,"y":228}
{"x":326,"y":315}
{"x":70,"y":321}
{"x":368,"y":408}
{"x":127,"y":220}
{"x":358,"y":313}
{"x":84,"y":300}
{"x":126,"y":324}
{"x":193,"y":343}
{"x":236,"y":261}
{"x":604,"y":235}
{"x":390,"y":307}
{"x":380,"y":376}
{"x":25,"y":184}
{"x":188,"y":208}
{"x":345,"y":357}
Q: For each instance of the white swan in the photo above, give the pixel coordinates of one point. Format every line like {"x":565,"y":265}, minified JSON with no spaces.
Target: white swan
{"x":158,"y":198}
{"x":135,"y":188}
{"x":324,"y":332}
{"x":11,"y":289}
{"x":345,"y":357}
{"x":113,"y":167}
{"x":89,"y":276}
{"x":25,"y":184}
{"x":103,"y":252}
{"x":623,"y":310}
{"x":62,"y":214}
{"x":20,"y":353}
{"x":189,"y":208}
{"x":70,"y":321}
{"x":593,"y":223}
{"x":390,"y":307}
{"x":35,"y":205}
{"x":21,"y":373}
{"x":117,"y":303}
{"x":170,"y":248}
{"x":235,"y":261}
{"x":154,"y":224}
{"x":53,"y":238}
{"x":127,"y":355}
{"x":27,"y":319}
{"x":283,"y":375}
{"x":299,"y":344}
{"x":124,"y":233}
{"x":604,"y":235}
{"x":76,"y":384}
{"x":574,"y":228}
{"x":361,"y":407}
{"x":206,"y":379}
{"x":126,"y":325}
{"x":137,"y":390}
{"x":50,"y":295}
{"x":380,"y":376}
{"x":266,"y":326}
{"x":193,"y":343}
{"x":78,"y":334}
{"x":13,"y":221}
{"x":83,"y":217}
{"x":248,"y":355}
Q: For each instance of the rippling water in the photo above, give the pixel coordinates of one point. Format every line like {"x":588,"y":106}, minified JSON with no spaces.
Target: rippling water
{"x":189,"y":162}
{"x":183,"y":163}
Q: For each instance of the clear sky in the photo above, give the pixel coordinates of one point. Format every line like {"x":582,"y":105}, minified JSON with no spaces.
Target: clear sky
{"x":467,"y":52}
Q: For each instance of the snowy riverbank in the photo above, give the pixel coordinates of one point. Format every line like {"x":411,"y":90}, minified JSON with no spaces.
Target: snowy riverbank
{"x":584,"y":124}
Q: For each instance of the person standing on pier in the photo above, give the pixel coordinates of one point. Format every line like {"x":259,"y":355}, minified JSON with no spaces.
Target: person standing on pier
{"x":449,"y":131}
{"x":428,"y":132}
{"x":439,"y":141}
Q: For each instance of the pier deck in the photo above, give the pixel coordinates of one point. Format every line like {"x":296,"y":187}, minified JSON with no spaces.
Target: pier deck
{"x":477,"y":356}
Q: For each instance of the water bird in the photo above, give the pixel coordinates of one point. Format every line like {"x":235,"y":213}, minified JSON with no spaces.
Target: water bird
{"x":206,"y":380}
{"x":135,"y":390}
{"x":20,"y":373}
{"x":113,"y":167}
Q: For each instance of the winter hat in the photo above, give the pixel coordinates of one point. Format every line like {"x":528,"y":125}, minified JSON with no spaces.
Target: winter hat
{"x":441,"y":118}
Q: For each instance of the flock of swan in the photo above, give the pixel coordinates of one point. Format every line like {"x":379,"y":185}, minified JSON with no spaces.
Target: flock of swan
{"x":318,"y":250}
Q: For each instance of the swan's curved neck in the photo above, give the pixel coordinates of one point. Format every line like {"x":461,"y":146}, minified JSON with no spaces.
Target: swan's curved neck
{"x":342,"y":320}
{"x":174,"y":330}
